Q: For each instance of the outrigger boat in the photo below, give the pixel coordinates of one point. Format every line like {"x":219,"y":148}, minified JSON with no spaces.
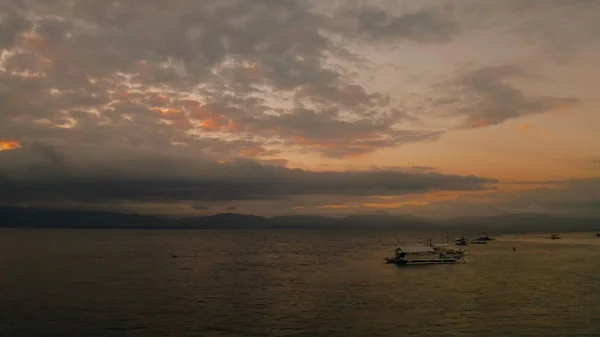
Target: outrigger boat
{"x":419,"y":255}
{"x":447,"y":249}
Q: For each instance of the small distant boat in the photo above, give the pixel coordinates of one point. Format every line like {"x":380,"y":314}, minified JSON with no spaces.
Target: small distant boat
{"x":598,"y":235}
{"x":484,"y":238}
{"x":420,"y":255}
{"x":460,"y":242}
{"x":478,"y":242}
{"x":553,"y":237}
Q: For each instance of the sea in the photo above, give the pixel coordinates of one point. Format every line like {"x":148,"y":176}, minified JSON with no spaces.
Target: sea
{"x":333,"y":282}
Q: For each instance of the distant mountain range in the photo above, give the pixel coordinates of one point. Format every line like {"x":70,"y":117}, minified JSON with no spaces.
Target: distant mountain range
{"x":22,"y":217}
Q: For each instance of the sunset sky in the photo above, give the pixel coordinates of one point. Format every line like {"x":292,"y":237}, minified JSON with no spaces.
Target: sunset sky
{"x":189,"y":107}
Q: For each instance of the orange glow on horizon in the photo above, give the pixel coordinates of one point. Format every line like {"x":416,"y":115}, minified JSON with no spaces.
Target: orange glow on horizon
{"x":399,"y":201}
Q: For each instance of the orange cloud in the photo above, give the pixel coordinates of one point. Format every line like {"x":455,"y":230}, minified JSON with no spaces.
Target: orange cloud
{"x":9,"y":145}
{"x":159,"y":99}
{"x":30,"y":38}
{"x":399,"y":201}
{"x":561,"y":109}
{"x":338,"y":206}
{"x":175,"y":117}
{"x":525,"y":127}
{"x":389,"y":202}
{"x":395,"y":204}
{"x":211,"y":120}
{"x":476,"y":122}
{"x":355,"y":147}
{"x":122,"y":95}
{"x":253,"y":152}
{"x":251,"y":70}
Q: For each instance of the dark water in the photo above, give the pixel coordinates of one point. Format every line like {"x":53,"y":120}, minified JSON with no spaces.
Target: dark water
{"x":287,"y":283}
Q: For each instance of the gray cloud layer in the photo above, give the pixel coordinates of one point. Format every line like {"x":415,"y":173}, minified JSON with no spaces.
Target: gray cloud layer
{"x":42,"y":173}
{"x":149,"y":73}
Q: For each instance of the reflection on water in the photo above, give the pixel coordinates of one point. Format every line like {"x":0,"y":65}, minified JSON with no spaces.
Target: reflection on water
{"x":290,"y":283}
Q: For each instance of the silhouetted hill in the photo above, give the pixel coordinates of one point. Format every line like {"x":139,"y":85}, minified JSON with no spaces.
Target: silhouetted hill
{"x":224,"y":220}
{"x":21,"y":217}
{"x":56,"y":218}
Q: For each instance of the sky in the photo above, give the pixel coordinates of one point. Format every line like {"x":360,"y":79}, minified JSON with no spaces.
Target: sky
{"x":435,"y":108}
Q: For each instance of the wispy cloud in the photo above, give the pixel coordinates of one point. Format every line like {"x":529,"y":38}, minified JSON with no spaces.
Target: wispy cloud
{"x":485,"y":97}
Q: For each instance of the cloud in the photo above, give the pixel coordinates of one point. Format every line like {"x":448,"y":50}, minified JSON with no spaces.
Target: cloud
{"x":42,"y":173}
{"x":576,"y":197}
{"x":426,"y":24}
{"x":201,"y":207}
{"x":233,"y":78}
{"x":525,"y":127}
{"x":485,"y":97}
{"x":149,"y":100}
{"x":9,"y":145}
{"x":579,"y":197}
{"x":235,"y":73}
{"x":534,"y":22}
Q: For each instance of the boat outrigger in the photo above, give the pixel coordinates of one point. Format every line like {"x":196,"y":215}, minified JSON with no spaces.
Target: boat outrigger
{"x":419,"y":255}
{"x":447,"y":249}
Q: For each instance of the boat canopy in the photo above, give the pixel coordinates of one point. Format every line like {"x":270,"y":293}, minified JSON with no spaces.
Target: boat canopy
{"x":416,"y":249}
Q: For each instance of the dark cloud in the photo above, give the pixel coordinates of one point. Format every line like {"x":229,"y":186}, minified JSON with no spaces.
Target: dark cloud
{"x":558,"y":30}
{"x":336,"y":137}
{"x":41,"y":173}
{"x":201,"y":207}
{"x":431,"y":24}
{"x":120,"y":73}
{"x":12,"y":24}
{"x":485,"y":97}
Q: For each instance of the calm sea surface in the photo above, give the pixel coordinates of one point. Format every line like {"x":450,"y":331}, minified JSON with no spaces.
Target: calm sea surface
{"x":290,"y":283}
